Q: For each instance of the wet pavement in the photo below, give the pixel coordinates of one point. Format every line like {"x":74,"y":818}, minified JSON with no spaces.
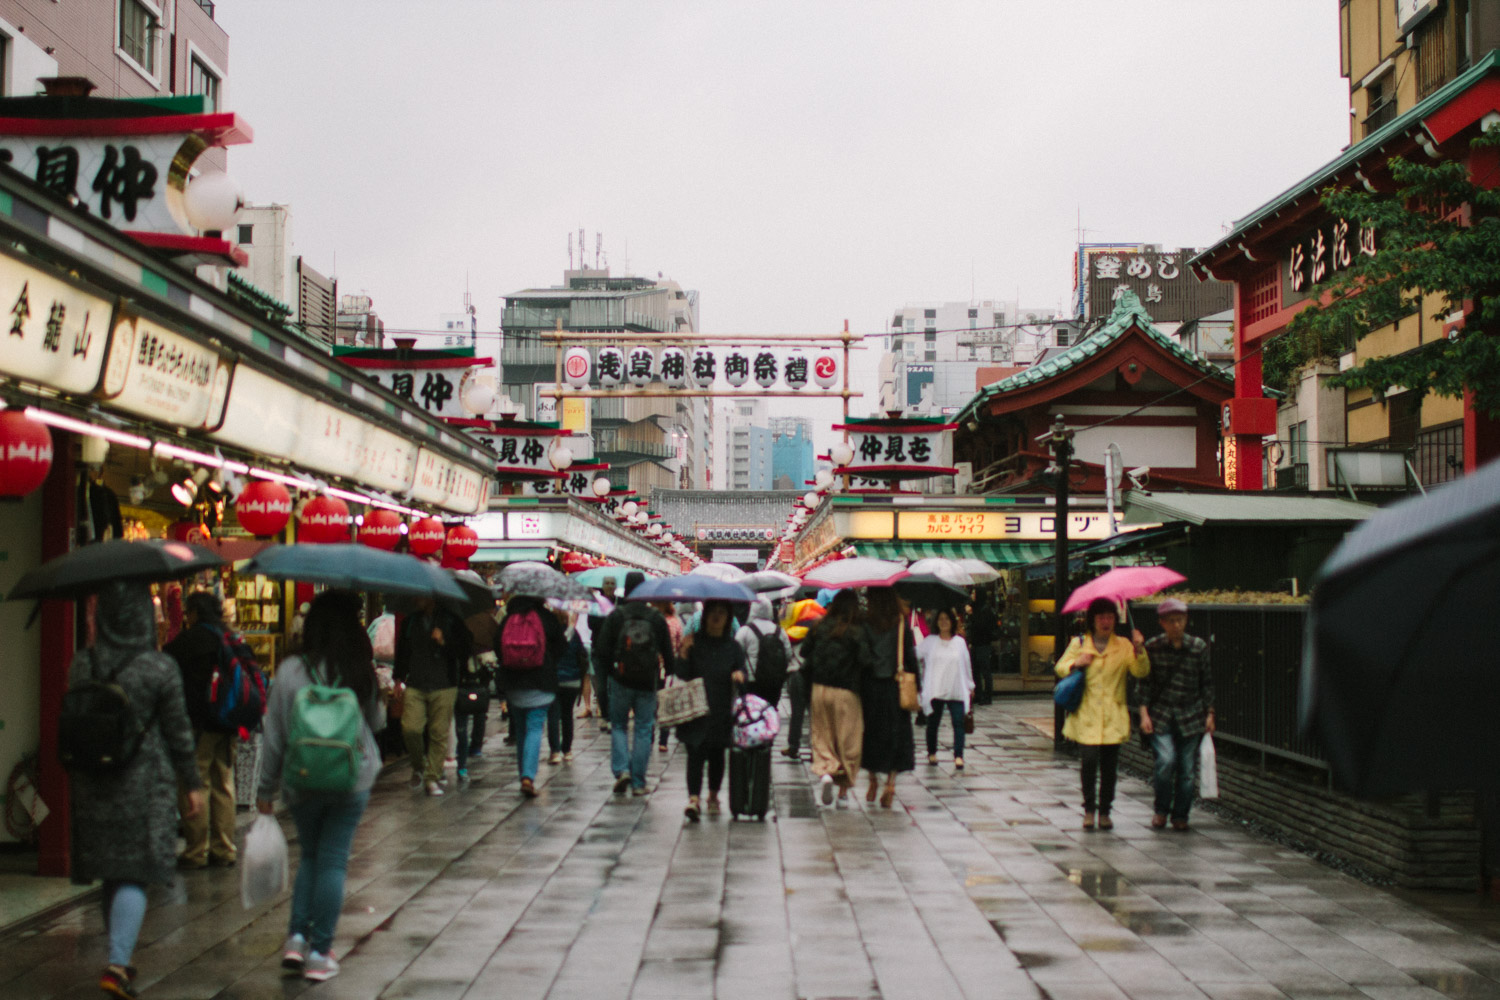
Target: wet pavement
{"x":978,"y":884}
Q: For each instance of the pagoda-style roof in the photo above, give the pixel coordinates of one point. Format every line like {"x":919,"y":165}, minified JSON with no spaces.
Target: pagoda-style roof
{"x":1128,"y":318}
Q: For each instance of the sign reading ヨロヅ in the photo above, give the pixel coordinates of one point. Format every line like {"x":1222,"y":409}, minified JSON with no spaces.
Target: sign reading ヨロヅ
{"x":988,"y":525}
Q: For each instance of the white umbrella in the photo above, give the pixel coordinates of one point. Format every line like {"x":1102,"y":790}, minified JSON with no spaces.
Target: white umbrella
{"x":861,"y":571}
{"x":770,"y":581}
{"x":946,"y":570}
{"x":720,"y":571}
{"x":980,"y":571}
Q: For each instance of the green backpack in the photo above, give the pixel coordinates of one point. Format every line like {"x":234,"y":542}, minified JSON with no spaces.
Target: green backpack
{"x":323,"y":739}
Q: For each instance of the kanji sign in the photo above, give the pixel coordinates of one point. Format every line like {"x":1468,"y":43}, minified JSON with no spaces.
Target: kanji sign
{"x":121,"y":179}
{"x":55,"y":333}
{"x":1331,"y":247}
{"x":155,"y":372}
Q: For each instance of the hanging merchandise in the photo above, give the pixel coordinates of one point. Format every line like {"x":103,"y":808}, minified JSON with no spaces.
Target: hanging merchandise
{"x":381,"y":530}
{"x":461,"y":544}
{"x":325,"y":519}
{"x":705,"y":368}
{"x":642,"y":366}
{"x":736,"y":369}
{"x":263,"y":508}
{"x":825,"y":370}
{"x":765,"y":369}
{"x":611,"y":364}
{"x":577,"y":366}
{"x":674,"y":367}
{"x":426,"y":536}
{"x":795,"y":372}
{"x":25,"y":453}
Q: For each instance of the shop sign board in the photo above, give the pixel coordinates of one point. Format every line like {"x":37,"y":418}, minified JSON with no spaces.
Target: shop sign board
{"x":736,"y":555}
{"x":573,"y":415}
{"x":521,"y":453}
{"x":898,"y":454}
{"x":1410,"y":12}
{"x":1159,"y":277}
{"x":575,"y":484}
{"x":963,"y":525}
{"x":56,"y":334}
{"x":531,"y":524}
{"x":434,"y":477}
{"x":162,"y":375}
{"x":120,"y":179}
{"x":640,"y":365}
{"x":264,"y":415}
{"x":469,"y":491}
{"x":436,"y":389}
{"x":1319,"y":254}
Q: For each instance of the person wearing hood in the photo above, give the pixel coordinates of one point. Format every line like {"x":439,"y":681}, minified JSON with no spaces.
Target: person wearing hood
{"x":530,"y":691}
{"x":767,"y":674}
{"x":125,"y":822}
{"x":712,"y":654}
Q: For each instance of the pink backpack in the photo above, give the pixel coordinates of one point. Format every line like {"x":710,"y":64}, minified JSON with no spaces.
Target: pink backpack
{"x":523,"y":641}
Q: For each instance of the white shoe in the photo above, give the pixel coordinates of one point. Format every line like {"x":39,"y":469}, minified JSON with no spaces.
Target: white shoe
{"x":434,"y":789}
{"x":556,"y":758}
{"x":320,"y":968}
{"x":826,"y":790}
{"x":294,"y":953}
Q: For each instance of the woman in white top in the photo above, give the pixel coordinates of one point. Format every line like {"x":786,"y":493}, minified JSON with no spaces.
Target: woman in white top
{"x":947,"y":683}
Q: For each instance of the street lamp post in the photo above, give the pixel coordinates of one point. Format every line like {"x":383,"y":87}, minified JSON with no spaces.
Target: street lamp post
{"x":1060,"y":441}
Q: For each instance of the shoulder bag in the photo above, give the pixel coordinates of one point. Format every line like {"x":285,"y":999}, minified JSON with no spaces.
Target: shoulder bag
{"x":911,"y":701}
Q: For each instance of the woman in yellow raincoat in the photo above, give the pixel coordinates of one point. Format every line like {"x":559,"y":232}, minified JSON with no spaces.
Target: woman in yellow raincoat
{"x":1102,"y":721}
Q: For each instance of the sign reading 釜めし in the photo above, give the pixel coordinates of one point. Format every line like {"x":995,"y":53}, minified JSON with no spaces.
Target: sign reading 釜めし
{"x":56,"y":334}
{"x":992,"y":525}
{"x":1159,"y":277}
{"x":156,"y":373}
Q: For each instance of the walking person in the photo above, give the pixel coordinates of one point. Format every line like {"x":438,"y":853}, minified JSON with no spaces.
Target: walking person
{"x":768,"y":652}
{"x":125,"y":821}
{"x":336,"y":653}
{"x":471,"y":706}
{"x":209,"y":836}
{"x":837,"y":654}
{"x":629,"y":651}
{"x":1177,"y":711}
{"x":797,"y":623}
{"x":889,"y":747}
{"x":1102,"y":721}
{"x":984,"y":630}
{"x":532,"y":641}
{"x":607,"y":601}
{"x":674,"y":628}
{"x":947,"y":683}
{"x":572,"y":668}
{"x":712,"y":654}
{"x":431,"y":647}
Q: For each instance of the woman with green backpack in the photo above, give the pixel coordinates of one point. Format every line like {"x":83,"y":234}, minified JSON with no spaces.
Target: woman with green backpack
{"x":318,"y":750}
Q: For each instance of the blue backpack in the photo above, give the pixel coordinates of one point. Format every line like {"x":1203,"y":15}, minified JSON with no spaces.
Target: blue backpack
{"x":237,"y":689}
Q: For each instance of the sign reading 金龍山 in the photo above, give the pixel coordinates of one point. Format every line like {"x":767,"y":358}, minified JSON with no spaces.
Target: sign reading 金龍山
{"x":902,"y":448}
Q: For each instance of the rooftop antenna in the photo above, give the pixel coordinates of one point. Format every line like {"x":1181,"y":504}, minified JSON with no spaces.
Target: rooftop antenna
{"x":570,"y":250}
{"x":473,"y":314}
{"x":598,"y":249}
{"x":583,"y":261}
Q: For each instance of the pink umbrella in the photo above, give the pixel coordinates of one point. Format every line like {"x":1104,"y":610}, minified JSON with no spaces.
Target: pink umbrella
{"x":1122,"y":584}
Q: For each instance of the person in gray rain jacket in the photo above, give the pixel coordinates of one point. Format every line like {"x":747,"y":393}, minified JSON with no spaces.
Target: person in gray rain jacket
{"x":762,"y":623}
{"x":125,"y":822}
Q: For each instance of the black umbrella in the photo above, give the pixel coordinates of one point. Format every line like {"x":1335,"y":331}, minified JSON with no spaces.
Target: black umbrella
{"x":1397,"y":678}
{"x":925,"y":590}
{"x":356,"y":567}
{"x":86,"y":569}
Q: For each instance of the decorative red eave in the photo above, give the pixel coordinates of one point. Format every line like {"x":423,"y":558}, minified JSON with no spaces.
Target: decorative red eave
{"x":178,"y":245}
{"x":1464,"y":110}
{"x":380,"y":364}
{"x":222,"y":128}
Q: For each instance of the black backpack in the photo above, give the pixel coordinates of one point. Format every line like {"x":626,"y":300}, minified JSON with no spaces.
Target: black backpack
{"x":636,"y":656}
{"x":770,"y":665}
{"x":98,"y":731}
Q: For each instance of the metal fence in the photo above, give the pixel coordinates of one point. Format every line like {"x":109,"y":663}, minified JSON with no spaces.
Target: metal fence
{"x":1257,"y":660}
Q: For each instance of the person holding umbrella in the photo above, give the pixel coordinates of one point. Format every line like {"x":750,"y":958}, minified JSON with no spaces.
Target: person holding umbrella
{"x":532,"y":641}
{"x":1102,"y":722}
{"x":888,"y":747}
{"x":1177,"y":711}
{"x":712,"y":654}
{"x":837,"y":655}
{"x":431,"y":649}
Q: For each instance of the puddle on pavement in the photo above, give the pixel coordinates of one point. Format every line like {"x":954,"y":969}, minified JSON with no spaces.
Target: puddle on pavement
{"x":1152,"y":924}
{"x":1096,"y":884}
{"x":1109,"y":944}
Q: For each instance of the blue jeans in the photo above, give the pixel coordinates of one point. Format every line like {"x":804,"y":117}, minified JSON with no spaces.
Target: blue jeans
{"x":531,"y":725}
{"x":935,"y":719}
{"x":325,"y":831}
{"x":1176,"y":772}
{"x":468,"y":730}
{"x":622,"y":701}
{"x":124,"y":909}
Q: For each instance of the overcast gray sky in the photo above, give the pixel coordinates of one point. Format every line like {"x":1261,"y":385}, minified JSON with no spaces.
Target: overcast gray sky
{"x":799,"y":163}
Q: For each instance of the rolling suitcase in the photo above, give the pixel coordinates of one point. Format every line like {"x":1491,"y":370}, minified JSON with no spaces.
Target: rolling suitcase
{"x":749,"y":782}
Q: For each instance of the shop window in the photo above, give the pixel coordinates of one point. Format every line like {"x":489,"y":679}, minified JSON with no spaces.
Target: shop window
{"x":1382,"y":106}
{"x":202,"y":80}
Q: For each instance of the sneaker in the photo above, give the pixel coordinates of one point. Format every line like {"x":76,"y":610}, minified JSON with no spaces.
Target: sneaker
{"x":691,"y":812}
{"x":604,"y":727}
{"x":826,"y":790}
{"x":958,"y":763}
{"x":463,"y":775}
{"x":320,"y":968}
{"x":568,"y":756}
{"x":434,"y":789}
{"x":118,"y":981}
{"x":443,"y":781}
{"x":932,"y":759}
{"x":555,"y":758}
{"x":638,"y":791}
{"x":791,"y":752}
{"x":528,"y":788}
{"x":622,"y":782}
{"x":713,"y":805}
{"x":294,"y":953}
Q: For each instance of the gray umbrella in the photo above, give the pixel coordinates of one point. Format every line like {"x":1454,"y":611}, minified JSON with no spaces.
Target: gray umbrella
{"x":535,"y":579}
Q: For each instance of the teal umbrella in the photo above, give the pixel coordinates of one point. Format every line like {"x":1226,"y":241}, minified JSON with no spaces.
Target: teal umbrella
{"x":594,"y":578}
{"x":356,"y":567}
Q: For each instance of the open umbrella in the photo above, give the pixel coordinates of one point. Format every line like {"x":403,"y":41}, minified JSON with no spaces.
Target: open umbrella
{"x":980,"y":571}
{"x":536,"y":579}
{"x":86,"y":569}
{"x":719,"y":571}
{"x":594,"y":578}
{"x":770,"y":581}
{"x":1397,"y":682}
{"x":947,"y":570}
{"x":861,"y":571}
{"x":356,"y":567}
{"x":926,"y":590}
{"x":691,"y":587}
{"x":1121,"y":584}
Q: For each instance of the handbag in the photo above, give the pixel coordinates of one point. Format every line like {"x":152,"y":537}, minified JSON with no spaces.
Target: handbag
{"x":1208,"y":769}
{"x":911,"y":701}
{"x":969,"y":724}
{"x":681,"y":703}
{"x":1068,"y":694}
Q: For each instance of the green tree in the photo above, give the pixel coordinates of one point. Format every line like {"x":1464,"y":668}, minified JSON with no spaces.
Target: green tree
{"x":1439,"y":235}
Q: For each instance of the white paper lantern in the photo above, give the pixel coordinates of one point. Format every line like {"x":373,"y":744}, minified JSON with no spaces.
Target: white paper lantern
{"x":794,"y":373}
{"x":842,"y":453}
{"x":810,"y":499}
{"x":601,"y":487}
{"x":736,"y":368}
{"x":673,"y":367}
{"x":611,"y":366}
{"x":629,"y":508}
{"x":825,"y":371}
{"x":212,"y":202}
{"x":704,"y":367}
{"x":476,"y":392}
{"x":642,"y":366}
{"x":765,"y":369}
{"x":654,"y":530}
{"x":577,"y":366}
{"x":824,"y":479}
{"x":561,"y":457}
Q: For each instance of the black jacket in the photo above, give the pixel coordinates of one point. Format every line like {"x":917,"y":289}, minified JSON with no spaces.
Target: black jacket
{"x":458,"y":644}
{"x":196,"y":651}
{"x":714,"y":660}
{"x":605,"y":639}
{"x":543,"y":678}
{"x":837,"y":661}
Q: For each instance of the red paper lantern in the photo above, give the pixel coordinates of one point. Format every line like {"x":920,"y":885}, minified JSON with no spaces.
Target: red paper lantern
{"x":426,"y":536}
{"x":462,"y":542}
{"x":25,"y":453}
{"x":324,"y":520}
{"x":575,"y":562}
{"x":381,"y":530}
{"x":187,"y":531}
{"x":263,"y":508}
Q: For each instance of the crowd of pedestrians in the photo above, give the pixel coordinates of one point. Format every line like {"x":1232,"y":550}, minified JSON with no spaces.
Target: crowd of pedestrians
{"x":860,"y":666}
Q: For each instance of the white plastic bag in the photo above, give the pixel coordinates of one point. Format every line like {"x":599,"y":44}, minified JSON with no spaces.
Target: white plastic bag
{"x":1208,"y":769}
{"x":263,"y":862}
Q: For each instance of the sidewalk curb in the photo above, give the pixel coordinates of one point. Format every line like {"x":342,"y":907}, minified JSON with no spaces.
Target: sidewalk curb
{"x":57,"y":909}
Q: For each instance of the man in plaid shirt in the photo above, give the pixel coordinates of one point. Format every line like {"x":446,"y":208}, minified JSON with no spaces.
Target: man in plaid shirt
{"x":1178,"y":709}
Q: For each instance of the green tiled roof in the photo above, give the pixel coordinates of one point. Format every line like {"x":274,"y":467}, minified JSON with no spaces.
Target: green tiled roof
{"x":1128,"y":313}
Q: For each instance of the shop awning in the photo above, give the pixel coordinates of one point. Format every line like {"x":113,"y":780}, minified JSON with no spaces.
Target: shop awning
{"x":500,"y":553}
{"x":994,"y":553}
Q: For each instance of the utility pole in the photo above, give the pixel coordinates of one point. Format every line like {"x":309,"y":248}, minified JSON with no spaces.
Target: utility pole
{"x":1060,"y":441}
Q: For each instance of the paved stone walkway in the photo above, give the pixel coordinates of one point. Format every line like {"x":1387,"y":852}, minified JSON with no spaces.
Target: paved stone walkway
{"x":978,"y":885}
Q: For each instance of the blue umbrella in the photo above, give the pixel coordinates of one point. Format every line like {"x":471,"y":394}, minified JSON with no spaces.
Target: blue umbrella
{"x":356,"y":567}
{"x":691,"y":587}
